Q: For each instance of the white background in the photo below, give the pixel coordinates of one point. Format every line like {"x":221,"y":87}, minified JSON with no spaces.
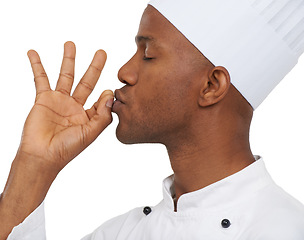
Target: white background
{"x":110,"y":178}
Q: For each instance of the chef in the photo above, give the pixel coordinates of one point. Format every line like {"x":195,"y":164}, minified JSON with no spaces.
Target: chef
{"x":200,"y":70}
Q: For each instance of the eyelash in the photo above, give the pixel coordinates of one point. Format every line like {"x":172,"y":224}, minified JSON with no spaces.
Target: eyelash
{"x":147,"y":58}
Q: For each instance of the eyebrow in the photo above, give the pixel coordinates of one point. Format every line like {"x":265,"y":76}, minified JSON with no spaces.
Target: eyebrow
{"x":139,"y":39}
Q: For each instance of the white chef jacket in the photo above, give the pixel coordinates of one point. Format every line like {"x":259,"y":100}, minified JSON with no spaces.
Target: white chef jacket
{"x":247,"y":205}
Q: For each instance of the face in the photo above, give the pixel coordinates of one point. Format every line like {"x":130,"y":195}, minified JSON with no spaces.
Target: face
{"x":163,"y":78}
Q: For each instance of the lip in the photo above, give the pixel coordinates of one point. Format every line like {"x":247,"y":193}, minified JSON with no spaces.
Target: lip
{"x":118,"y":103}
{"x":118,"y":96}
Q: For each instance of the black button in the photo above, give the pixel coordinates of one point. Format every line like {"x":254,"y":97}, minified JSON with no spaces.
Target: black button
{"x":147,"y":210}
{"x":226,"y":223}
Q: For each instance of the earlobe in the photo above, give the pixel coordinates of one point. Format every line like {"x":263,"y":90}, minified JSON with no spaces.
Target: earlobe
{"x":215,"y":88}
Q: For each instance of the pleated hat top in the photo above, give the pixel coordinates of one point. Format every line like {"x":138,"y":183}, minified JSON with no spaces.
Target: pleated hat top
{"x":257,"y":41}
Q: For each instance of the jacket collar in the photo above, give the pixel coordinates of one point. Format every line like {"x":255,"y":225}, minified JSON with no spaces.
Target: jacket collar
{"x":223,"y":194}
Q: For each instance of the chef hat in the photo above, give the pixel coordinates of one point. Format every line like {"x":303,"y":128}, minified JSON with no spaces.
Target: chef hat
{"x":257,"y":41}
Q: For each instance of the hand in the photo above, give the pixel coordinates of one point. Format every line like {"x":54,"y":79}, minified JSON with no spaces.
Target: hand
{"x":58,"y":128}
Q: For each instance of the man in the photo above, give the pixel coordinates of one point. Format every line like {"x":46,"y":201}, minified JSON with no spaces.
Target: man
{"x":176,"y":96}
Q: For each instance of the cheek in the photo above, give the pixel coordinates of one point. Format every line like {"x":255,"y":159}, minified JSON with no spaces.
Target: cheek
{"x":165,"y":100}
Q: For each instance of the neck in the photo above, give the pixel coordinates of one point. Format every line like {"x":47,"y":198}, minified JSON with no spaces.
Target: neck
{"x":205,"y":158}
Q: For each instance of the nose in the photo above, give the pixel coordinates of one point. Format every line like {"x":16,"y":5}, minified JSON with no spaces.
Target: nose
{"x":128,"y":73}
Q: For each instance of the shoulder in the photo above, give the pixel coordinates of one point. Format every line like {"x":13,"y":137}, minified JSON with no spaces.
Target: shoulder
{"x":113,"y":227}
{"x":277,"y":216}
{"x":281,"y":203}
{"x":282,"y":229}
{"x":132,"y":216}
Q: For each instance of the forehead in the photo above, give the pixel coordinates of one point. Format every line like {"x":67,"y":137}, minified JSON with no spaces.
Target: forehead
{"x":154,"y":27}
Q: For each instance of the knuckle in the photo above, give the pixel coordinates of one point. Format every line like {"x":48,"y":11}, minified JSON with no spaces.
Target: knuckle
{"x":40,"y":75}
{"x":87,"y":85}
{"x":108,"y":118}
{"x":78,"y":100}
{"x":63,"y":91}
{"x":96,"y":68}
{"x":68,"y":57}
{"x":67,"y":75}
{"x":36,"y":63}
{"x":95,"y":106}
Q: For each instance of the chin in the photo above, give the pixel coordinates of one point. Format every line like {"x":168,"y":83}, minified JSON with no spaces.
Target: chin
{"x":128,"y":136}
{"x":124,"y":136}
{"x":124,"y":139}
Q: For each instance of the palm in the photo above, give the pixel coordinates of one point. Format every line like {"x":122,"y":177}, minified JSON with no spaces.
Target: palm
{"x":58,"y":128}
{"x":53,"y":119}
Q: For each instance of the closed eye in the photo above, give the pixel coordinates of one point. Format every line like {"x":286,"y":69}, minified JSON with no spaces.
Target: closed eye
{"x":147,"y":58}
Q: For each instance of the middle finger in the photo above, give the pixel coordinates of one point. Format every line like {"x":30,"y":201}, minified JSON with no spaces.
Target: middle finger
{"x":66,"y":76}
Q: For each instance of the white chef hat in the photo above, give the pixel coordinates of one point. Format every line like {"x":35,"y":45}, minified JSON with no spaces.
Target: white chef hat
{"x":257,"y":41}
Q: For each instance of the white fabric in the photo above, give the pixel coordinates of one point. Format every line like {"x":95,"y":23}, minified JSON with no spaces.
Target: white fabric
{"x":32,"y":228}
{"x":256,"y":207}
{"x":257,"y":41}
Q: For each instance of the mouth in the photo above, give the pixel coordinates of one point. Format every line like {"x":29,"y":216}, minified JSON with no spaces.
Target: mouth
{"x":117,"y":96}
{"x":118,"y":103}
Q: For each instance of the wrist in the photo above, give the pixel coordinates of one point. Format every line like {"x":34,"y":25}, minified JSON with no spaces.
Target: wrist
{"x":29,"y":178}
{"x":27,"y":185}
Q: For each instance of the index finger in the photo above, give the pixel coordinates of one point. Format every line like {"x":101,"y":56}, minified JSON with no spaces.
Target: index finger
{"x":41,"y":80}
{"x":90,"y":78}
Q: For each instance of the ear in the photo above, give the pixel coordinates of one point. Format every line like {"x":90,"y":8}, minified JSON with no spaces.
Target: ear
{"x":215,"y":88}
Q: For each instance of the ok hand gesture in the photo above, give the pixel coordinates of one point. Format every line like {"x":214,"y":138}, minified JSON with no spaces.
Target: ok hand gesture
{"x":58,"y":128}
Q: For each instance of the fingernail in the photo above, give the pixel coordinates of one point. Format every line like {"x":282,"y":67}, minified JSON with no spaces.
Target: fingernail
{"x":109,"y":103}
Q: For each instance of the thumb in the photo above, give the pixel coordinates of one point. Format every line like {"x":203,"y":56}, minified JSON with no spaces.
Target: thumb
{"x":105,"y":100}
{"x":102,"y":118}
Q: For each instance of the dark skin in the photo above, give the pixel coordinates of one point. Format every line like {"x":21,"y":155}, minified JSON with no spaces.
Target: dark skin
{"x":173,"y":96}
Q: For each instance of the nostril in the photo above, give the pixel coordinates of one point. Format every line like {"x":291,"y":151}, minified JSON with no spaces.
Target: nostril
{"x":128,"y":73}
{"x":123,"y":81}
{"x":128,"y":78}
{"x":120,"y":75}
